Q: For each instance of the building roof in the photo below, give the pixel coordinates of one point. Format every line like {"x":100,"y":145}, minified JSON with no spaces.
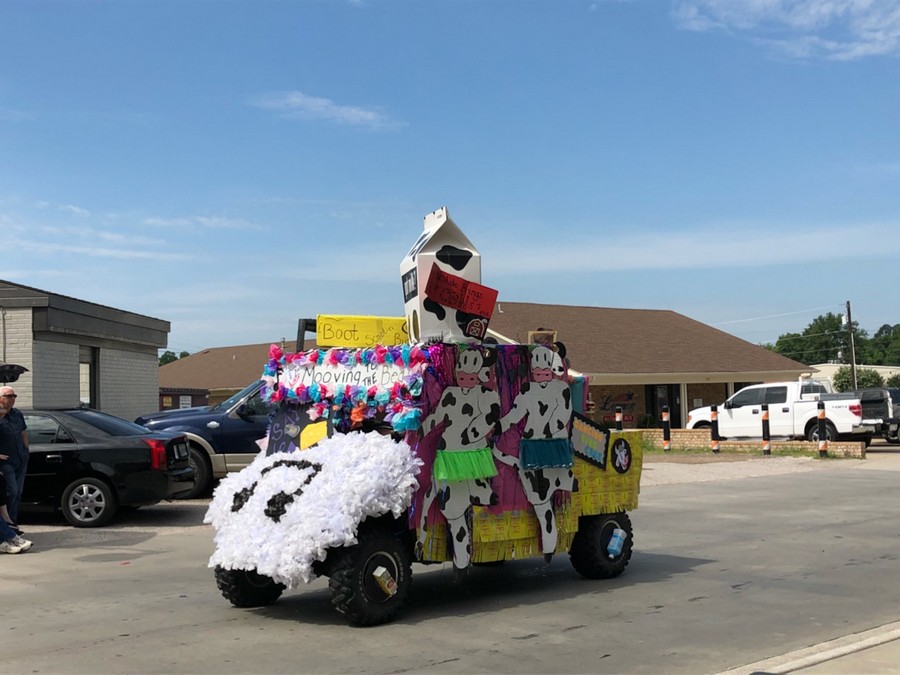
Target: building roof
{"x":630,"y":345}
{"x":220,"y":367}
{"x":56,"y":315}
{"x":611,"y":345}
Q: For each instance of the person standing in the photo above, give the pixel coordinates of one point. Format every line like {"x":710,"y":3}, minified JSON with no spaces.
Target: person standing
{"x":13,"y":450}
{"x":11,"y":541}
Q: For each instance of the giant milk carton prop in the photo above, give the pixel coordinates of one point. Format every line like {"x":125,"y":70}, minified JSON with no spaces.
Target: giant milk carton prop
{"x":441,"y":277}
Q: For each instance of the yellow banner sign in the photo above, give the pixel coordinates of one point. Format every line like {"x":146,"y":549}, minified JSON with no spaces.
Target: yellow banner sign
{"x":360,"y":331}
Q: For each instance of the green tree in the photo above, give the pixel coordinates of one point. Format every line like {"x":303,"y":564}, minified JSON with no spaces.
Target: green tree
{"x":825,"y":339}
{"x":893,"y":380}
{"x":886,"y":346}
{"x":865,"y":378}
{"x":167,"y":357}
{"x":821,"y":341}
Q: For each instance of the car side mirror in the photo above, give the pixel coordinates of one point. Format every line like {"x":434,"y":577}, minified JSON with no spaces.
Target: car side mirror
{"x":728,"y":405}
{"x":244,"y":412}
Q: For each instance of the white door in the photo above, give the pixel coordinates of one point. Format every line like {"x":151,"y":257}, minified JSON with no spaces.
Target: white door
{"x":740,"y":417}
{"x":781,"y":422}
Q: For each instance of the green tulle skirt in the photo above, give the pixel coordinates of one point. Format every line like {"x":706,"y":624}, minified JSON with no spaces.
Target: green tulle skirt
{"x":458,"y":465}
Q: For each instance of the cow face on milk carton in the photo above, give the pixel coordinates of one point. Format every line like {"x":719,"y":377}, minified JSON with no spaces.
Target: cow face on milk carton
{"x":443,"y":245}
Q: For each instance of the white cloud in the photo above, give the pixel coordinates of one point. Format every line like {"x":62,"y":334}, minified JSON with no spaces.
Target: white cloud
{"x":830,"y":29}
{"x":13,"y":115}
{"x":725,"y":245}
{"x":206,"y":222}
{"x":54,"y":248}
{"x":76,"y":210}
{"x":296,"y":104}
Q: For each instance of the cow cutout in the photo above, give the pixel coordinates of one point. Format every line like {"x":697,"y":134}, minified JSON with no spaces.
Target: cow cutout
{"x":544,"y":406}
{"x":468,"y":413}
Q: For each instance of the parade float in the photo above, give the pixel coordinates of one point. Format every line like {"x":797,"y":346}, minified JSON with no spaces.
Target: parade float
{"x":448,"y":448}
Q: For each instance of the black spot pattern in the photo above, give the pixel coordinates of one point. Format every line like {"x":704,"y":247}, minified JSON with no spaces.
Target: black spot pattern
{"x":277,"y":505}
{"x":468,"y":410}
{"x":443,"y":497}
{"x":548,"y":520}
{"x":543,"y":408}
{"x":461,"y":534}
{"x":539,"y":484}
{"x":241,"y":497}
{"x":457,"y":258}
{"x":493,"y":415}
{"x":435,"y":308}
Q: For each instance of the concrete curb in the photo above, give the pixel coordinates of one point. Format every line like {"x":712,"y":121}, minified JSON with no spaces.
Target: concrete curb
{"x":822,"y":652}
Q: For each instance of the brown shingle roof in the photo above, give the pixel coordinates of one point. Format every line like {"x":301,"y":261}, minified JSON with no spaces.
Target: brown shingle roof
{"x":219,"y":367}
{"x":599,"y":340}
{"x":633,"y":341}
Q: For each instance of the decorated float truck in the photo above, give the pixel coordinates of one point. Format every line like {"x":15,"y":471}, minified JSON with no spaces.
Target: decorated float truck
{"x":456,"y":452}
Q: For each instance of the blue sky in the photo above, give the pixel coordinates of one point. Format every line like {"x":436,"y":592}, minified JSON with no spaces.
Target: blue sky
{"x":233,"y":166}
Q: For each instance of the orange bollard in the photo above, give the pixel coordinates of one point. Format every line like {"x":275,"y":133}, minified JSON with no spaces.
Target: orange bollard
{"x":823,"y":430}
{"x":714,"y":428}
{"x":667,"y":429}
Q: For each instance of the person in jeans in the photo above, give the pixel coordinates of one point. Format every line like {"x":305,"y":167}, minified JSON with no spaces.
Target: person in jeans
{"x":13,"y":449}
{"x":10,"y":540}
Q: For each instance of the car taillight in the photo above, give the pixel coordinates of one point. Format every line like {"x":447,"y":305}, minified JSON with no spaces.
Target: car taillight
{"x":158,"y":459}
{"x":856,"y":409}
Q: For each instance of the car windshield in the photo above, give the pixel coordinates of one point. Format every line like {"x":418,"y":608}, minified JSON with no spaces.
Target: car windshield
{"x":229,"y":403}
{"x":108,"y":424}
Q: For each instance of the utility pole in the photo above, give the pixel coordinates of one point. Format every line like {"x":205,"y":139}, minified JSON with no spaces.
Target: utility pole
{"x":852,"y":346}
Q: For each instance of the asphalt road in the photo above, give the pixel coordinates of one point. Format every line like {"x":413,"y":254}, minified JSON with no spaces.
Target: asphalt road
{"x":725,"y":572}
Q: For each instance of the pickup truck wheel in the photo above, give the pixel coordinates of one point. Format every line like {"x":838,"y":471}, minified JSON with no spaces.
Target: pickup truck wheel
{"x":247,"y":588}
{"x":589,"y":555}
{"x":202,"y":473}
{"x":357,"y":593}
{"x":88,"y":502}
{"x":813,"y":433}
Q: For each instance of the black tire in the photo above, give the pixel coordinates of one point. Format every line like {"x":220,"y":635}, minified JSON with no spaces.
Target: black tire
{"x":202,"y":474}
{"x":812,"y":434}
{"x":701,"y":425}
{"x":588,"y":552}
{"x":247,"y":588}
{"x":354,"y":590}
{"x":88,"y":502}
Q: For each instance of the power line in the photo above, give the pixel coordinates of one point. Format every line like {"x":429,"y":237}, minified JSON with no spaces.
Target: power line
{"x":776,"y":316}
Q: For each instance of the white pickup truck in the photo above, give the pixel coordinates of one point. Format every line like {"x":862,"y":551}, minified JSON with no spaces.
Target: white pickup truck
{"x":793,"y":412}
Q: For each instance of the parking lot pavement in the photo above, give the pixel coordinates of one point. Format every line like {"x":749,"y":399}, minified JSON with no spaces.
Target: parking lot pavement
{"x":151,"y":567}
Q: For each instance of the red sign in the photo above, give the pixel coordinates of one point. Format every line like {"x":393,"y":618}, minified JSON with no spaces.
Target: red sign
{"x":458,"y":293}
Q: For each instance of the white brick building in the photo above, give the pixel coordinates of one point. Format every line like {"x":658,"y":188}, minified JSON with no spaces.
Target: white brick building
{"x":77,"y":351}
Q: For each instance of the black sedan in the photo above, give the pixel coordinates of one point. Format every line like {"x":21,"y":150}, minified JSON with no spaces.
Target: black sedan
{"x":90,"y":464}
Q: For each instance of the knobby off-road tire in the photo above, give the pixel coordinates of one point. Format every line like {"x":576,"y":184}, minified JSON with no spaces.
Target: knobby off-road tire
{"x":354,"y":590}
{"x":589,"y":548}
{"x":246,"y":588}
